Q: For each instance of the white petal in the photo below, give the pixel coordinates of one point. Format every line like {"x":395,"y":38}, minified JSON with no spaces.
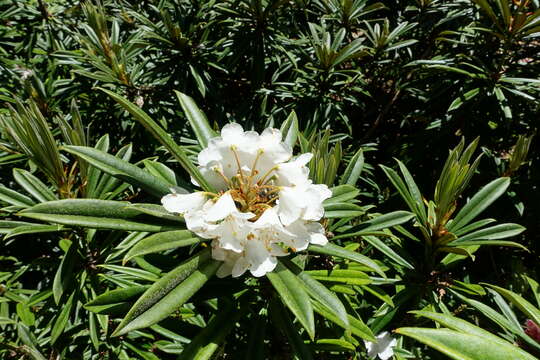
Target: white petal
{"x":182,"y":203}
{"x":217,"y":252}
{"x":268,"y":265}
{"x":195,"y":223}
{"x":222,"y":208}
{"x":300,"y":236}
{"x":386,"y":353}
{"x":318,"y":239}
{"x":290,"y":205}
{"x":271,"y":136}
{"x":225,"y":270}
{"x":371,"y":348}
{"x":232,"y":233}
{"x":268,"y":218}
{"x":211,"y":173}
{"x":313,"y":198}
{"x":240,"y":267}
{"x":294,"y":173}
{"x":208,"y":155}
{"x":317,"y":235}
{"x":324,"y":191}
{"x":259,"y":258}
{"x":231,"y":131}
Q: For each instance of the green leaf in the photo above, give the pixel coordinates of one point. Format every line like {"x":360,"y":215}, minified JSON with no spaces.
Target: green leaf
{"x":500,"y":320}
{"x":293,"y":295}
{"x":496,"y":232}
{"x":337,"y":251}
{"x":157,"y":211}
{"x":281,"y":320}
{"x":526,"y":307}
{"x":320,"y":293}
{"x":503,"y":103}
{"x":85,"y":207}
{"x":341,"y":194}
{"x":401,"y":188}
{"x":342,"y":210}
{"x":460,"y":325}
{"x":535,"y":287}
{"x":33,"y":185}
{"x":478,"y":203}
{"x":138,"y":274}
{"x":121,"y":169}
{"x":14,"y":198}
{"x":386,"y":250}
{"x":25,"y":314}
{"x":338,"y":345}
{"x":169,"y":293}
{"x":101,"y":222}
{"x":62,"y":319}
{"x":114,"y":297}
{"x":64,"y":273}
{"x":161,"y":171}
{"x":289,"y":129}
{"x":414,"y":191}
{"x":160,"y":242}
{"x":489,"y":242}
{"x":356,"y":325}
{"x":6,"y":225}
{"x":349,"y":277}
{"x":33,"y":229}
{"x":205,"y":344}
{"x":354,"y":169}
{"x":456,"y":104}
{"x":197,"y":119}
{"x":462,"y":346}
{"x":379,"y":223}
{"x":97,"y":214}
{"x":163,"y":137}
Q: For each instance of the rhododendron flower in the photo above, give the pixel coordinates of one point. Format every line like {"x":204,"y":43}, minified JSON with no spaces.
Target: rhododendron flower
{"x":265,"y":205}
{"x":383,"y":347}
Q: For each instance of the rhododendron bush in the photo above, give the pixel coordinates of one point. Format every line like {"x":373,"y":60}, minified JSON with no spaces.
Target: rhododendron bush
{"x":264,"y":179}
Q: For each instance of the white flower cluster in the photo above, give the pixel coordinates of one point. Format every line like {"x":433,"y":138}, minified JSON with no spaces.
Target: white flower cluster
{"x":265,"y":205}
{"x":383,"y":347}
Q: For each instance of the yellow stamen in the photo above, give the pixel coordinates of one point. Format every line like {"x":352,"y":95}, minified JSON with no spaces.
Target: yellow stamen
{"x":262,"y":181}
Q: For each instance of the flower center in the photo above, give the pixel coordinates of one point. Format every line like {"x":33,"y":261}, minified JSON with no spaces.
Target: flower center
{"x":250,"y":194}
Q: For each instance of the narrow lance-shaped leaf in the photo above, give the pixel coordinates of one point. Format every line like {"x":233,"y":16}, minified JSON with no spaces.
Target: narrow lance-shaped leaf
{"x":496,"y":232}
{"x":169,"y":292}
{"x":197,"y":119}
{"x":294,"y":296}
{"x":289,"y":129}
{"x":281,"y":320}
{"x":62,"y":319}
{"x":163,"y":137}
{"x":320,"y":293}
{"x":463,"y":346}
{"x":378,"y":223}
{"x":461,"y":325}
{"x":354,"y":169}
{"x":334,"y":250}
{"x":205,"y":344}
{"x":121,"y":169}
{"x":97,"y":214}
{"x":479,"y":202}
{"x":526,"y":307}
{"x":161,"y":242}
{"x":33,"y":185}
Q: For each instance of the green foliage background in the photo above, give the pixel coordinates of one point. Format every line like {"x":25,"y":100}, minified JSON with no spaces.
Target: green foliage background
{"x":394,"y":79}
